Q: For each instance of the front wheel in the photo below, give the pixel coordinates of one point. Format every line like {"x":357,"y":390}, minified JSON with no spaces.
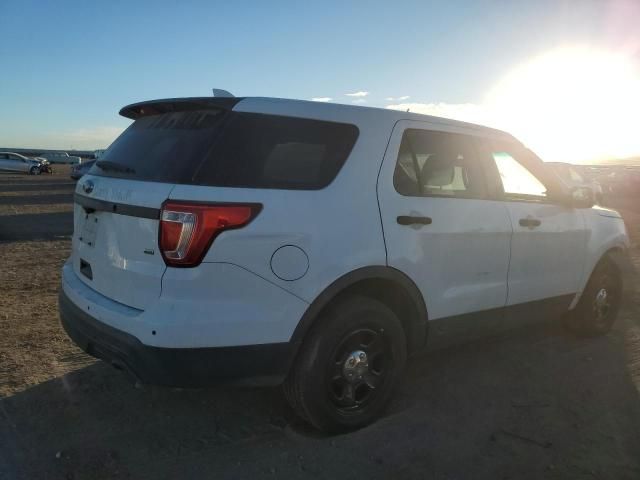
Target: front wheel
{"x":34,"y":171}
{"x":598,"y":307}
{"x":348,"y":366}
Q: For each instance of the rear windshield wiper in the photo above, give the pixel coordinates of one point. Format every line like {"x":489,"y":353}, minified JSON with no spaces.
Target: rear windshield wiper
{"x":107,"y":165}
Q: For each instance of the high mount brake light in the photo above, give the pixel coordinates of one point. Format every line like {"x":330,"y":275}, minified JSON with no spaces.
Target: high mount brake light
{"x":188,"y":229}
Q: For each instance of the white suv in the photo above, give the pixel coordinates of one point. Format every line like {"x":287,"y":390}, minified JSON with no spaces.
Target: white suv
{"x":262,"y":241}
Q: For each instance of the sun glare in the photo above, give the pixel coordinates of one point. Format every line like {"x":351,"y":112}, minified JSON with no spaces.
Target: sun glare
{"x":577,"y":105}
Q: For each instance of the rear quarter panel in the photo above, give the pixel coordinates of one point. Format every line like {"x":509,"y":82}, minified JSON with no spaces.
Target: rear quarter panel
{"x":337,"y":227}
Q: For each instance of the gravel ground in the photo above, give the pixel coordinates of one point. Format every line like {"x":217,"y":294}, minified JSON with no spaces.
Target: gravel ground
{"x":533,"y":404}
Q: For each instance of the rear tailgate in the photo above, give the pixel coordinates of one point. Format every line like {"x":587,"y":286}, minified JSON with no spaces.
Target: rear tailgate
{"x":115,"y":241}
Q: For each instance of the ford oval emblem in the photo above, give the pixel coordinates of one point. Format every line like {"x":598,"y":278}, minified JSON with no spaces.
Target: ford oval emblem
{"x":88,"y":186}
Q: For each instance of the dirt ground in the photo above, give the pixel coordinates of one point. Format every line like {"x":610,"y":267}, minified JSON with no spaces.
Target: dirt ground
{"x":536,"y":403}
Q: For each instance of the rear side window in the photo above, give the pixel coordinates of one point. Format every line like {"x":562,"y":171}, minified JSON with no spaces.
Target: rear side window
{"x":437,"y":164}
{"x":230,"y":149}
{"x":268,"y":151}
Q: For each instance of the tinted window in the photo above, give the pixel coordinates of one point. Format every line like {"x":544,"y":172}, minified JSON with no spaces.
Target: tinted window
{"x":232,"y":149}
{"x":270,"y":151}
{"x":437,"y":163}
{"x":165,"y":148}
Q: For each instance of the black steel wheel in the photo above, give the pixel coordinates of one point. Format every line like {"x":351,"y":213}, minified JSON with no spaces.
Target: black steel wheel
{"x":358,"y":368}
{"x":348,"y":365}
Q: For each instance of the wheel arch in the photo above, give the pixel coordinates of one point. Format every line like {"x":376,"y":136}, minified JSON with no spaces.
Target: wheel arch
{"x":619,"y":256}
{"x":382,"y":283}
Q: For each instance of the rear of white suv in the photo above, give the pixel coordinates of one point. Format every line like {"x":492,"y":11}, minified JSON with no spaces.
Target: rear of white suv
{"x":204,"y":233}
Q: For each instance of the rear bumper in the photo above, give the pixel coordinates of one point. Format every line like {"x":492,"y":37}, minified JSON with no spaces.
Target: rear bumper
{"x":265,"y":364}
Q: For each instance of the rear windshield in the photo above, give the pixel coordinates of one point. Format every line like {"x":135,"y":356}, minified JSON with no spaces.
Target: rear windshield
{"x":230,"y":149}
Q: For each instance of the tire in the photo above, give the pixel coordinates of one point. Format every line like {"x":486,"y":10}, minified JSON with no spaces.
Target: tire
{"x":34,"y":171}
{"x":348,"y":366}
{"x":598,"y":307}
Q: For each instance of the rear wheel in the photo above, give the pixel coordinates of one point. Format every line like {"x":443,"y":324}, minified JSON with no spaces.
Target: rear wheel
{"x":598,"y":307}
{"x":348,"y":366}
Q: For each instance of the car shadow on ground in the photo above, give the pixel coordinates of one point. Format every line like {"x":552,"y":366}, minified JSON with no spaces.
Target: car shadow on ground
{"x":535,"y":403}
{"x":35,"y":226}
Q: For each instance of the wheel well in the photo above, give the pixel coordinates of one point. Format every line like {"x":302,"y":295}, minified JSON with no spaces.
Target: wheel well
{"x":394,"y":296}
{"x":620,"y":260}
{"x":615,"y":256}
{"x":384,"y":284}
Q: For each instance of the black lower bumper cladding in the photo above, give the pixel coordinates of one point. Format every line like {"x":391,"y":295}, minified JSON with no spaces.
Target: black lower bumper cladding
{"x":265,"y":364}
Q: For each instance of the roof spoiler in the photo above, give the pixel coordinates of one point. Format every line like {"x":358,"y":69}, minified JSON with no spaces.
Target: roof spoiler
{"x":168,"y":105}
{"x":217,"y":92}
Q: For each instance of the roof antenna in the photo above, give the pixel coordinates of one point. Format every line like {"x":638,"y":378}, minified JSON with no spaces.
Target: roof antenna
{"x":217,"y":92}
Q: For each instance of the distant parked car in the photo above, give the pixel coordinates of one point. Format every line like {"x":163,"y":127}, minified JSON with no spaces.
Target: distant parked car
{"x":78,"y":171}
{"x":14,"y":162}
{"x":570,"y":175}
{"x":61,"y":157}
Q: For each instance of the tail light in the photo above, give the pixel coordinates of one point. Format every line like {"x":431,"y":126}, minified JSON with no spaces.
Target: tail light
{"x":188,"y":229}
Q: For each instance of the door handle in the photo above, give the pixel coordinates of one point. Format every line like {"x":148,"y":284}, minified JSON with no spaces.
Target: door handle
{"x":530,"y":222}
{"x":411,"y":220}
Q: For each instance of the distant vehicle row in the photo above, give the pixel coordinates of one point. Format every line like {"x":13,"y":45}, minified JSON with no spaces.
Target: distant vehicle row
{"x":14,"y":162}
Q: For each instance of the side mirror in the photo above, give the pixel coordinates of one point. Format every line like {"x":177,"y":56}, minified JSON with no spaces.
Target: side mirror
{"x":582,"y":197}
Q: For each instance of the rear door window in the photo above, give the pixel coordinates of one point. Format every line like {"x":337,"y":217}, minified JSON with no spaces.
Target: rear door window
{"x":438,"y":164}
{"x":230,"y":149}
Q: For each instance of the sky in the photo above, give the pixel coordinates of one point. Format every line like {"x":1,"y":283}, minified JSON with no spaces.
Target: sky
{"x":563,"y":76}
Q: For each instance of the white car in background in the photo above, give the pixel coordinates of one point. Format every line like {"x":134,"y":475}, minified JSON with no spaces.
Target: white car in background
{"x":262,"y":241}
{"x":14,"y":162}
{"x":61,"y":157}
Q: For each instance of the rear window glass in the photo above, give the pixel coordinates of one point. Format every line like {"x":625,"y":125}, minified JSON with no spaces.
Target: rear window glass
{"x":230,"y":149}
